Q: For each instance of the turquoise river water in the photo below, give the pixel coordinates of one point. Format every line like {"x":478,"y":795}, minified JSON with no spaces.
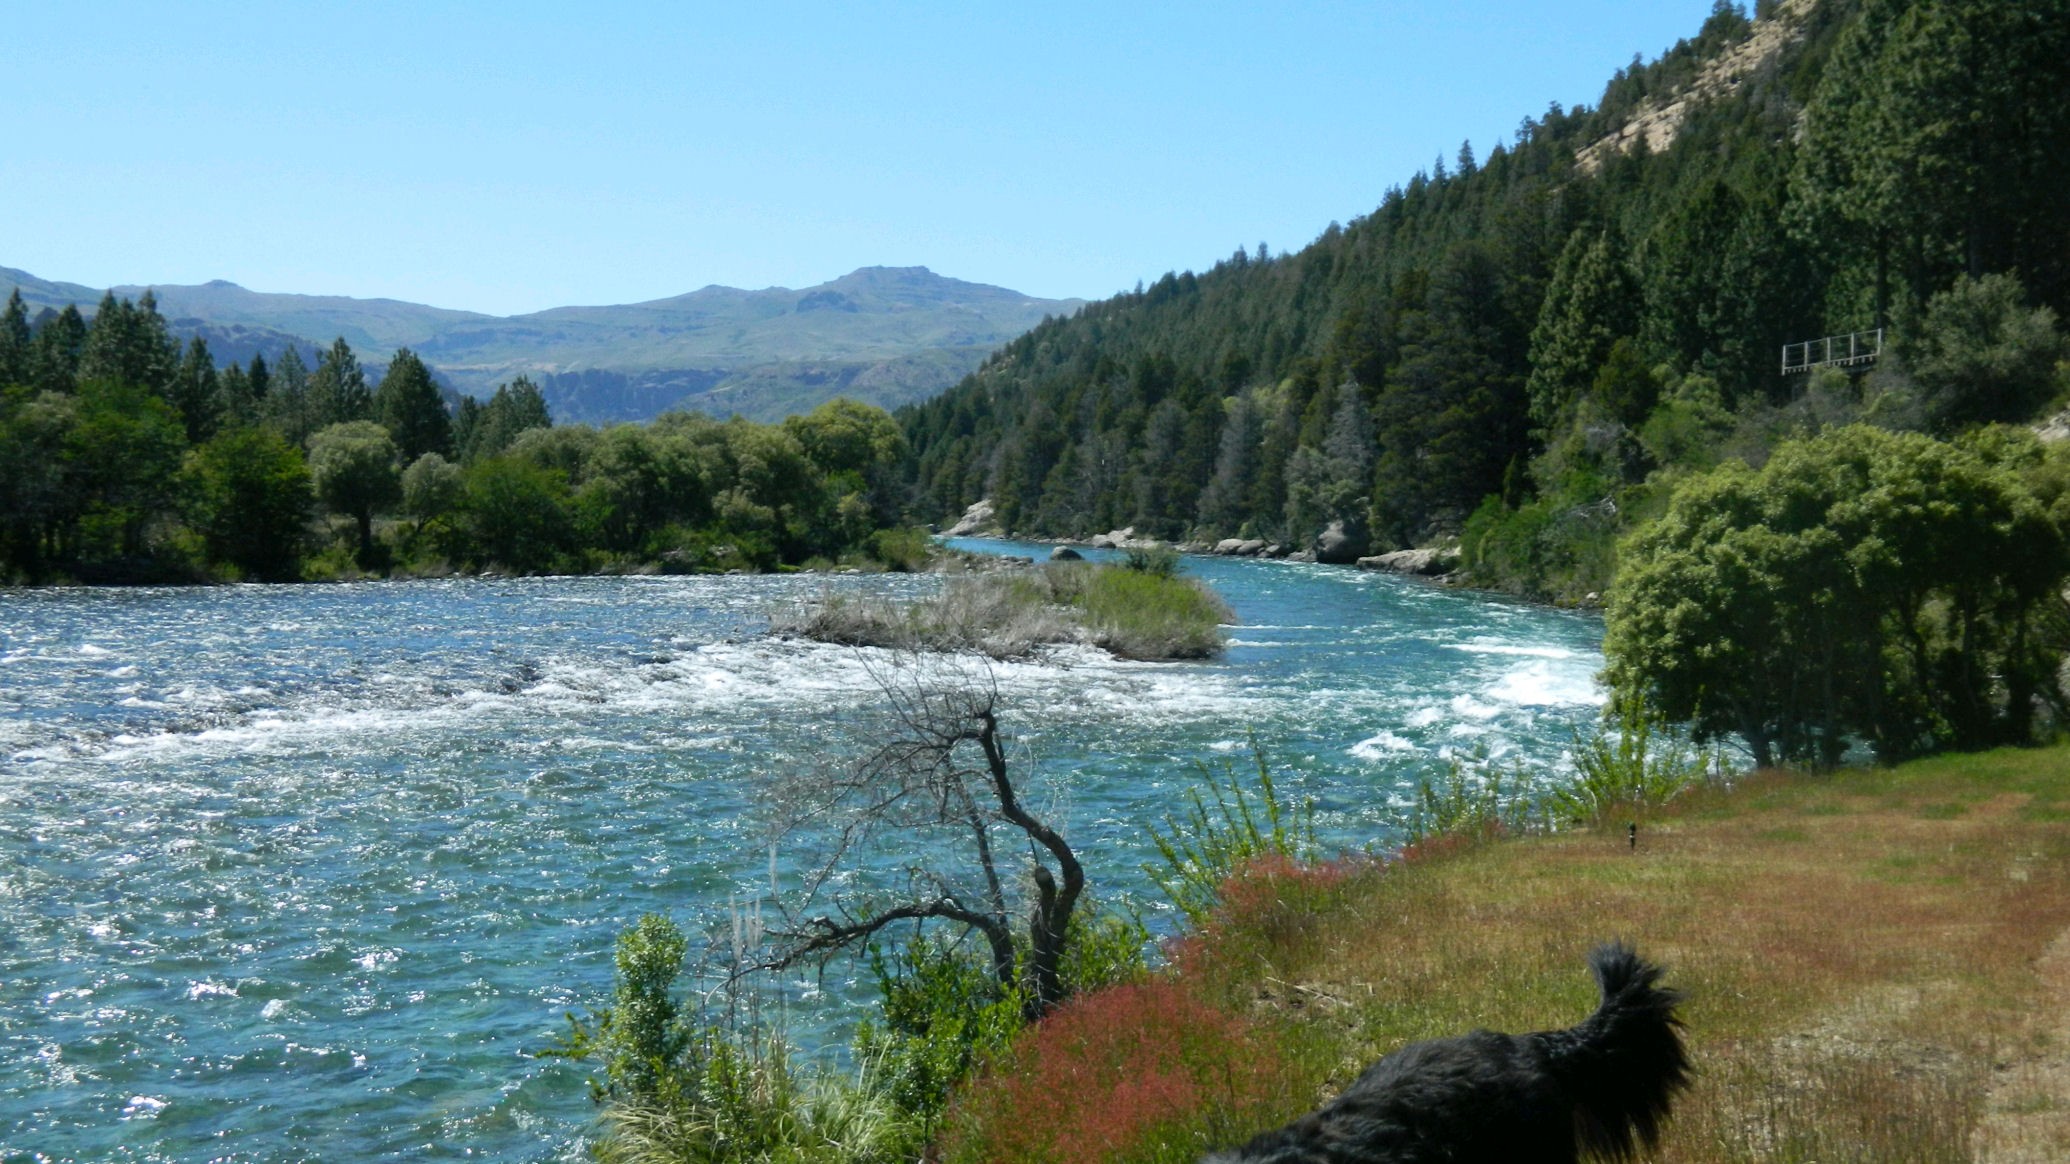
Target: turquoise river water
{"x":309,"y":872}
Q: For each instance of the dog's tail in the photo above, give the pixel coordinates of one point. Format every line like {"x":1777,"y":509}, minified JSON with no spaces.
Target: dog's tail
{"x":1624,"y":1063}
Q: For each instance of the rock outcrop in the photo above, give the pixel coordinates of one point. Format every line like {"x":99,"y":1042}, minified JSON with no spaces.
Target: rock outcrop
{"x":1427,"y":561}
{"x":1338,"y":546}
{"x":976,"y":521}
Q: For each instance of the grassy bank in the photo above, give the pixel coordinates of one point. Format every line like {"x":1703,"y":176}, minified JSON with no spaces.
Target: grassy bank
{"x":1137,"y":611}
{"x":1877,"y":963}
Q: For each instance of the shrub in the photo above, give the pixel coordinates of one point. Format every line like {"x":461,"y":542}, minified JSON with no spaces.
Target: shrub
{"x":1621,"y":772}
{"x":1138,"y":614}
{"x":1159,"y":560}
{"x":1141,"y":1072}
{"x":1473,"y":798}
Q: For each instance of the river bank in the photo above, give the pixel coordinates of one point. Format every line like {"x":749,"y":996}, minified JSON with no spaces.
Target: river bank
{"x":1876,"y":964}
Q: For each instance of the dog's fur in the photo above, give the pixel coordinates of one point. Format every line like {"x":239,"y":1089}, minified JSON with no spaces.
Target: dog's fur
{"x":1601,"y":1088}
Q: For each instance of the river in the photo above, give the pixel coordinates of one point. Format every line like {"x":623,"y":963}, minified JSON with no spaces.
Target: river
{"x":309,"y":872}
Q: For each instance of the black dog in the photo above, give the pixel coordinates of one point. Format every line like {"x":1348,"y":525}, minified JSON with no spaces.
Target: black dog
{"x":1600,"y":1088}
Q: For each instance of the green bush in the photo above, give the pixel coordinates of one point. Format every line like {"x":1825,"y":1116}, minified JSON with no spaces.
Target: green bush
{"x":1142,"y":615}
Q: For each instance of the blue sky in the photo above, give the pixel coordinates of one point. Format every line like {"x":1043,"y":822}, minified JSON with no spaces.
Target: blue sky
{"x":513,"y":156}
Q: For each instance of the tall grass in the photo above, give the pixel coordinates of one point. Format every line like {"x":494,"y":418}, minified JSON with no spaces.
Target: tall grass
{"x":1202,"y":847}
{"x":1134,"y":613}
{"x":1622,"y":772}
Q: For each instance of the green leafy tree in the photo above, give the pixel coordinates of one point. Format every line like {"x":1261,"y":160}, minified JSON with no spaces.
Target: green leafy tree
{"x":1862,"y":585}
{"x":1982,"y":355}
{"x":408,"y":404}
{"x":516,"y":514}
{"x":432,"y":487}
{"x":352,"y":465}
{"x":249,"y":496}
{"x":38,"y":486}
{"x":124,"y":454}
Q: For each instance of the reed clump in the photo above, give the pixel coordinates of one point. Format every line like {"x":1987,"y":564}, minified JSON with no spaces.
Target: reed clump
{"x":1133,"y":612}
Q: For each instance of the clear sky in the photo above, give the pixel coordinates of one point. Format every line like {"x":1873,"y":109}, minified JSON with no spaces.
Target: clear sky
{"x":511,"y":156}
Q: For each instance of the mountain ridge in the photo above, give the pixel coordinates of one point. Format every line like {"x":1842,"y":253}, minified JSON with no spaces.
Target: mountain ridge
{"x":889,"y":335}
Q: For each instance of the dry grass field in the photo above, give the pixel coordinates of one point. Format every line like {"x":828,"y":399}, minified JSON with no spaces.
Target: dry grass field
{"x":1877,"y":964}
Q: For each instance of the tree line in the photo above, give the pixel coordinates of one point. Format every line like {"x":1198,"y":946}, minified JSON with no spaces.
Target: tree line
{"x":1525,"y":349}
{"x":127,"y":456}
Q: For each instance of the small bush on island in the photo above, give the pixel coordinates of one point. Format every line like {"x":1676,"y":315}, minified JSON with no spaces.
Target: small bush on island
{"x":1136,"y":614}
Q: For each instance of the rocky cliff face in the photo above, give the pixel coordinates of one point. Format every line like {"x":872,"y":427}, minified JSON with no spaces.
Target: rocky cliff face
{"x":1657,"y":120}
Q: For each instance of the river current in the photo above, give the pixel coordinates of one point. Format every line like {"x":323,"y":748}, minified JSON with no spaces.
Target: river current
{"x":310,"y":872}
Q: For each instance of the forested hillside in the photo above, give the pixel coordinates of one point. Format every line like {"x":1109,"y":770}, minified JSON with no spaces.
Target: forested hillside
{"x":1526,"y":347}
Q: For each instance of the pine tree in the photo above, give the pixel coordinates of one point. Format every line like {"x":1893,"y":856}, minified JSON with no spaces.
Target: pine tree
{"x":409,"y":406}
{"x":195,"y":393}
{"x":288,"y":410}
{"x":1591,"y":304}
{"x":16,"y":361}
{"x":338,"y":391}
{"x":60,"y":344}
{"x":260,"y":377}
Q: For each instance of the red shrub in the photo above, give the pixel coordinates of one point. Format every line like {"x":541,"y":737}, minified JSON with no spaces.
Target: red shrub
{"x":1270,"y":911}
{"x":1137,"y":1072}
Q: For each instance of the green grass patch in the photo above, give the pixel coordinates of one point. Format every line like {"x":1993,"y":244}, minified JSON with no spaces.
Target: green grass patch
{"x":1136,"y":613}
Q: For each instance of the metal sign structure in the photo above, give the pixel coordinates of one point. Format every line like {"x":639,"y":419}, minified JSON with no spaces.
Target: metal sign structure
{"x":1834,"y":351}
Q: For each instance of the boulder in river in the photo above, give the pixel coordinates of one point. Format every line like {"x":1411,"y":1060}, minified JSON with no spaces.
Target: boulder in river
{"x":1065,"y":554}
{"x":1228,"y":546}
{"x":1428,"y":560}
{"x":1339,"y":546}
{"x":1251,"y":548}
{"x":975,"y":521}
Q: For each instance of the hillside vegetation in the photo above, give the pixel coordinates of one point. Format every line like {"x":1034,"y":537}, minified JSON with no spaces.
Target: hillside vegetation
{"x":1530,"y":347}
{"x":126,"y":456}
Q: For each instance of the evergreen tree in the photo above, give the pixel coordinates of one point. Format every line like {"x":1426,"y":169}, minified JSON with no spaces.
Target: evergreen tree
{"x":60,"y":344}
{"x":486,"y":430}
{"x":195,"y":392}
{"x":1591,"y":304}
{"x":338,"y":391}
{"x":17,"y":361}
{"x":288,"y":409}
{"x":260,"y":377}
{"x":128,"y":343}
{"x":234,"y":403}
{"x":409,"y":406}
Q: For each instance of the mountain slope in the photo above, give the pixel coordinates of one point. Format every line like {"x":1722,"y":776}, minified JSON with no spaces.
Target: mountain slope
{"x":1507,"y":348}
{"x":888,"y":335}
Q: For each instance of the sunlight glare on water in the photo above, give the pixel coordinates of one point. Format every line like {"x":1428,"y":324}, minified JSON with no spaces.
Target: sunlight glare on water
{"x":302,"y":872}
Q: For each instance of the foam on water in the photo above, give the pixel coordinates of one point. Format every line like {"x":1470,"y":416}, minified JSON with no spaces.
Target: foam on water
{"x":308,"y":866}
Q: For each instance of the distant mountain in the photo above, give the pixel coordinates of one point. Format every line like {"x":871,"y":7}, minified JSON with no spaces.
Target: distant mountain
{"x":888,"y":335}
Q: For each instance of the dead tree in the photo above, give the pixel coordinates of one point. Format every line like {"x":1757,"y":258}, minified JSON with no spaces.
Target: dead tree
{"x":936,"y":797}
